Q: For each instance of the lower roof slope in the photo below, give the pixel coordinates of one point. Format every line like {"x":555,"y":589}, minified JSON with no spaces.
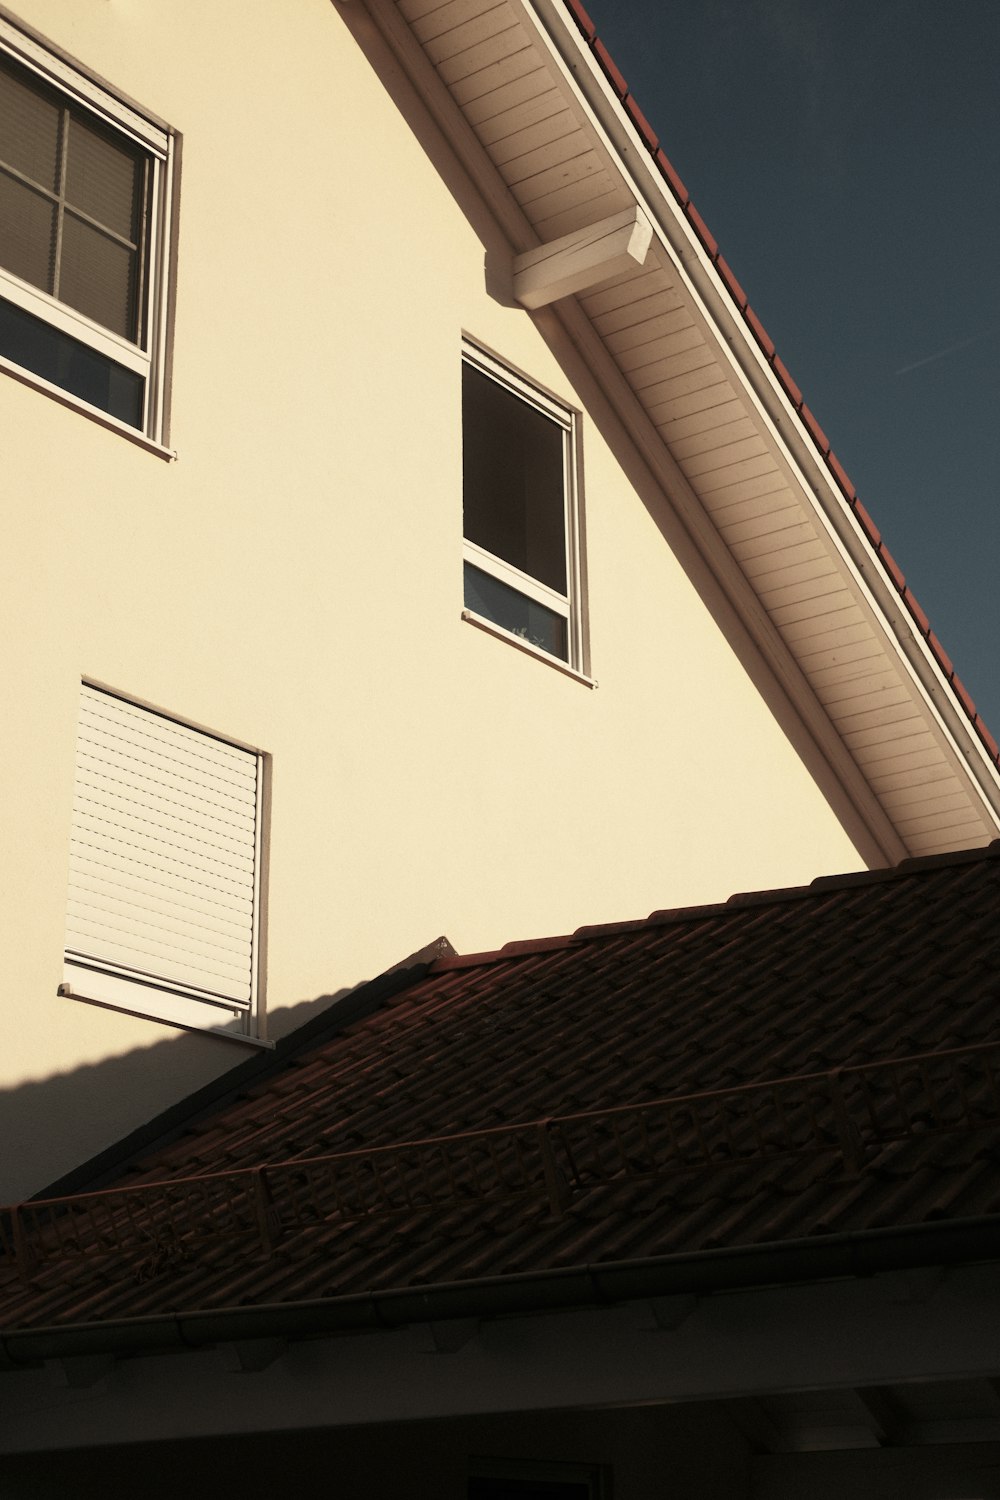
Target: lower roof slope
{"x":790,"y":1066}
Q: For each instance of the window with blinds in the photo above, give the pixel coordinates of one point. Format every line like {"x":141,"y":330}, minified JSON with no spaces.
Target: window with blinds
{"x":83,"y":193}
{"x":163,"y":912}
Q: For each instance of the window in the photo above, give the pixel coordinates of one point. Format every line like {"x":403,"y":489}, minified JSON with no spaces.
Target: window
{"x":519,"y":476}
{"x":84,"y":204}
{"x":165,"y":868}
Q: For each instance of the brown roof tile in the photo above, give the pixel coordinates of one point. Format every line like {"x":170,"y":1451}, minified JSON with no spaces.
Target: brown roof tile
{"x":828,"y":1016}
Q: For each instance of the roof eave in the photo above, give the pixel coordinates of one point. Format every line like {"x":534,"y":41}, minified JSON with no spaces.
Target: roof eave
{"x":791,"y":675}
{"x":743,"y":1267}
{"x":790,"y":425}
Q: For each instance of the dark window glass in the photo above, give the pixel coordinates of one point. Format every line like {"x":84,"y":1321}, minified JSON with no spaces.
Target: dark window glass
{"x":98,"y":276}
{"x":513,"y":479}
{"x":29,"y":128}
{"x":102,"y":177}
{"x":72,"y":366}
{"x":27,"y":233}
{"x":72,"y":195}
{"x":506,"y":607}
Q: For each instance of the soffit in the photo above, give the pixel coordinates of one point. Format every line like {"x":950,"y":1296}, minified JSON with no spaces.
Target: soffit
{"x":544,"y":145}
{"x":895,"y":1416}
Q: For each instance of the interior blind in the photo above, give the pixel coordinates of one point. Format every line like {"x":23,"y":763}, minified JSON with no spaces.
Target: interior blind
{"x":71,"y":200}
{"x":163,"y":852}
{"x":29,"y":179}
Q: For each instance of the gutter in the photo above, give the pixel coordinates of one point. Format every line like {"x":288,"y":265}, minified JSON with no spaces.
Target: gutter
{"x":816,"y":1258}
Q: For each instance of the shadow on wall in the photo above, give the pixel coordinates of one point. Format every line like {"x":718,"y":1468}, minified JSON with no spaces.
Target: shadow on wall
{"x":645,"y":1454}
{"x":75,"y":1131}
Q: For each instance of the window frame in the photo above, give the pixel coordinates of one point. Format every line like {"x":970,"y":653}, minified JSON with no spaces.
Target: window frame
{"x":568,"y":606}
{"x":147,"y":356}
{"x":106,"y":981}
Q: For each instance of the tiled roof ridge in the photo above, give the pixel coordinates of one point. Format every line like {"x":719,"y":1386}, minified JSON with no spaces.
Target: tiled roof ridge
{"x":665,"y":167}
{"x":822,"y":885}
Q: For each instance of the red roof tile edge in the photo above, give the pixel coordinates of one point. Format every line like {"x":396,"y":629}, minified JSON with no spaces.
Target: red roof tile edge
{"x":814,"y":1257}
{"x":650,"y":140}
{"x":522,"y":949}
{"x":677,"y":914}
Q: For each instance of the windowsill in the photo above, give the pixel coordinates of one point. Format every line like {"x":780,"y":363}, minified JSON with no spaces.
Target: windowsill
{"x":26,"y":377}
{"x":490,"y":628}
{"x":67,"y":992}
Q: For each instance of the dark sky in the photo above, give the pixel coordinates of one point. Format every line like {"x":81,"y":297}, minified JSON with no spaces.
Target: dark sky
{"x":846,"y":156}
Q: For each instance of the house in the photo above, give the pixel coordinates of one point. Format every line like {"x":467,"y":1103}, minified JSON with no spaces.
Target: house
{"x":408,"y":527}
{"x":708,"y":1200}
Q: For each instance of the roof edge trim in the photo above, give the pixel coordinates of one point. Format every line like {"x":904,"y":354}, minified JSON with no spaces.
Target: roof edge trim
{"x":768,"y":348}
{"x":778,"y":398}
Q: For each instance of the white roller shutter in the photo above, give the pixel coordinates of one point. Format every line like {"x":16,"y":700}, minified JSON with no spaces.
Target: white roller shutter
{"x":164,"y":857}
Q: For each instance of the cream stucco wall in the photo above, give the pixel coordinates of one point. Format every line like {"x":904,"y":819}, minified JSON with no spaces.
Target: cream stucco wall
{"x":293,"y":581}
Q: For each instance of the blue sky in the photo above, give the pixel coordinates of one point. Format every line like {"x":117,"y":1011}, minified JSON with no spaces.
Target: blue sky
{"x":846,"y":156}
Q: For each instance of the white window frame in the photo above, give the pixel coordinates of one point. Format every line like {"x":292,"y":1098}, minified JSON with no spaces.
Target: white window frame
{"x":570,"y":604}
{"x":99,"y":979}
{"x":149,"y":357}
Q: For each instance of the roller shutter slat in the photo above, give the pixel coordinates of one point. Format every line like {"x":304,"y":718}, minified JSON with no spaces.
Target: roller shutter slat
{"x":163,"y":851}
{"x":232,"y":910}
{"x":172,"y":751}
{"x":112,"y":820}
{"x":163,"y":914}
{"x":203,"y":803}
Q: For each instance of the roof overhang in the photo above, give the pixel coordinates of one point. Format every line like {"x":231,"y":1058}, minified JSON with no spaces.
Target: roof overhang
{"x":540,"y":121}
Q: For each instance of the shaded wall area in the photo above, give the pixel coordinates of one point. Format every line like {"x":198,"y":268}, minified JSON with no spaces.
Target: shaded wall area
{"x":646,"y":1454}
{"x":945,"y":1471}
{"x":71,"y":1132}
{"x":650,"y":1453}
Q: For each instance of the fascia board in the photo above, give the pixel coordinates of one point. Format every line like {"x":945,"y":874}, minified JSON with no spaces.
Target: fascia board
{"x":382,"y":27}
{"x":779,"y":421}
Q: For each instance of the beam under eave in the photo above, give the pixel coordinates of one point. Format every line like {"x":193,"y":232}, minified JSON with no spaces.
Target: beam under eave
{"x":582,"y":259}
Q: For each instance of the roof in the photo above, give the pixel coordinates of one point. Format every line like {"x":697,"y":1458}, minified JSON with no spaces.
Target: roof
{"x":759,"y":506}
{"x":808,"y":1067}
{"x":816,"y":434}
